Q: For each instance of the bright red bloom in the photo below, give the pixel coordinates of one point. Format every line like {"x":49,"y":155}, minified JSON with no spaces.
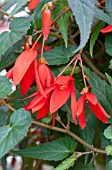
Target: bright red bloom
{"x":107,"y":29}
{"x":46,"y":22}
{"x":23,"y":71}
{"x":64,"y":87}
{"x":33,"y":4}
{"x":40,"y":103}
{"x":94,"y":105}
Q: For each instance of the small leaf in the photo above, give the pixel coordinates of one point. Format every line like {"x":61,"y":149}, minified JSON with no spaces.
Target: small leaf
{"x":67,"y":163}
{"x":59,"y":55}
{"x":17,"y":29}
{"x":5,"y":86}
{"x":81,"y":9}
{"x":108,"y":132}
{"x":109,"y":150}
{"x":110,"y":165}
{"x":11,"y":134}
{"x":63,"y":20}
{"x":56,"y":150}
{"x":47,"y":119}
{"x":110,"y":66}
{"x":108,"y":43}
{"x":18,"y":6}
{"x":108,"y":5}
{"x":94,"y":35}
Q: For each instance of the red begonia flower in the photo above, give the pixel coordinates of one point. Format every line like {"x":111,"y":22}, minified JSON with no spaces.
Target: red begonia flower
{"x":94,"y":105}
{"x":107,"y":29}
{"x":32,"y":4}
{"x":44,"y":77}
{"x":64,"y":87}
{"x":46,"y":22}
{"x":41,"y":103}
{"x":23,"y":71}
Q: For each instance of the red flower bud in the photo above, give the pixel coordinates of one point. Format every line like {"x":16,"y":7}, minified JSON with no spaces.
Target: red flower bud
{"x":46,"y":22}
{"x":33,"y":4}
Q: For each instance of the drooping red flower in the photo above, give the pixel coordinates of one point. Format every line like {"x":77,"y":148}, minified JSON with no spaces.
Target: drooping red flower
{"x":44,"y":77}
{"x":40,"y":103}
{"x":32,"y":4}
{"x":64,"y":87}
{"x":107,"y":29}
{"x":23,"y":71}
{"x":94,"y":105}
{"x":46,"y":22}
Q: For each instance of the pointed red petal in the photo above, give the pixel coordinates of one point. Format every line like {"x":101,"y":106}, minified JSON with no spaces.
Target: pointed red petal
{"x":44,"y":110}
{"x":99,"y":112}
{"x":10,"y":74}
{"x":107,"y":29}
{"x":39,"y":105}
{"x":82,"y":120}
{"x":22,"y":64}
{"x":91,"y":97}
{"x":80,"y":105}
{"x":58,"y":98}
{"x":46,"y":22}
{"x":73,"y":105}
{"x":27,"y":80}
{"x":32,"y":95}
{"x":33,"y":4}
{"x":39,"y":85}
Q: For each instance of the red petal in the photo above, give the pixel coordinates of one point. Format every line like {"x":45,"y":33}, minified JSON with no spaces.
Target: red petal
{"x":10,"y":74}
{"x":58,"y":98}
{"x":39,"y":85}
{"x":27,"y":80}
{"x":33,"y":4}
{"x":82,"y":120}
{"x":22,"y":64}
{"x":107,"y":29}
{"x":63,"y":79}
{"x":80,"y":105}
{"x":73,"y":105}
{"x":39,"y":105}
{"x":92,"y":98}
{"x":32,"y":95}
{"x":99,"y":112}
{"x":46,"y":22}
{"x":44,"y":110}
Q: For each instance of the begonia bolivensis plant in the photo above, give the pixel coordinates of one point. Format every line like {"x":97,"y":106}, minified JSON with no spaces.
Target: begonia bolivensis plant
{"x":57,"y":58}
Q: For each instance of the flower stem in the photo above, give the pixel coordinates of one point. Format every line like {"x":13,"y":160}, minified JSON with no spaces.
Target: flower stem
{"x":36,"y":41}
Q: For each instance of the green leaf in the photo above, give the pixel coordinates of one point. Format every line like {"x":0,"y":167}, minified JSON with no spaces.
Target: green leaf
{"x":11,"y":134}
{"x":109,"y":150}
{"x":56,"y":150}
{"x":110,"y":165}
{"x":81,"y":166}
{"x":108,"y":43}
{"x":63,"y":20}
{"x":59,"y":55}
{"x":94,"y":35}
{"x":102,"y":90}
{"x":3,"y":116}
{"x":108,"y":132}
{"x":81,"y":9}
{"x":67,"y":163}
{"x":18,"y":6}
{"x":110,"y":66}
{"x":47,"y":119}
{"x":5,"y":86}
{"x":103,"y":16}
{"x":109,"y":78}
{"x":17,"y":29}
{"x":108,"y":5}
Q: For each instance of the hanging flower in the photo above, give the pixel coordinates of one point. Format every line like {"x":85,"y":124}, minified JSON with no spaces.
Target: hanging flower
{"x":32,"y":4}
{"x":23,"y":71}
{"x":94,"y":105}
{"x":107,"y":29}
{"x":64,"y":87}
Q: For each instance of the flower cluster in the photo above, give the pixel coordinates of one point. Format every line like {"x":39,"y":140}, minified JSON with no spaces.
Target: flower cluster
{"x":52,"y":92}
